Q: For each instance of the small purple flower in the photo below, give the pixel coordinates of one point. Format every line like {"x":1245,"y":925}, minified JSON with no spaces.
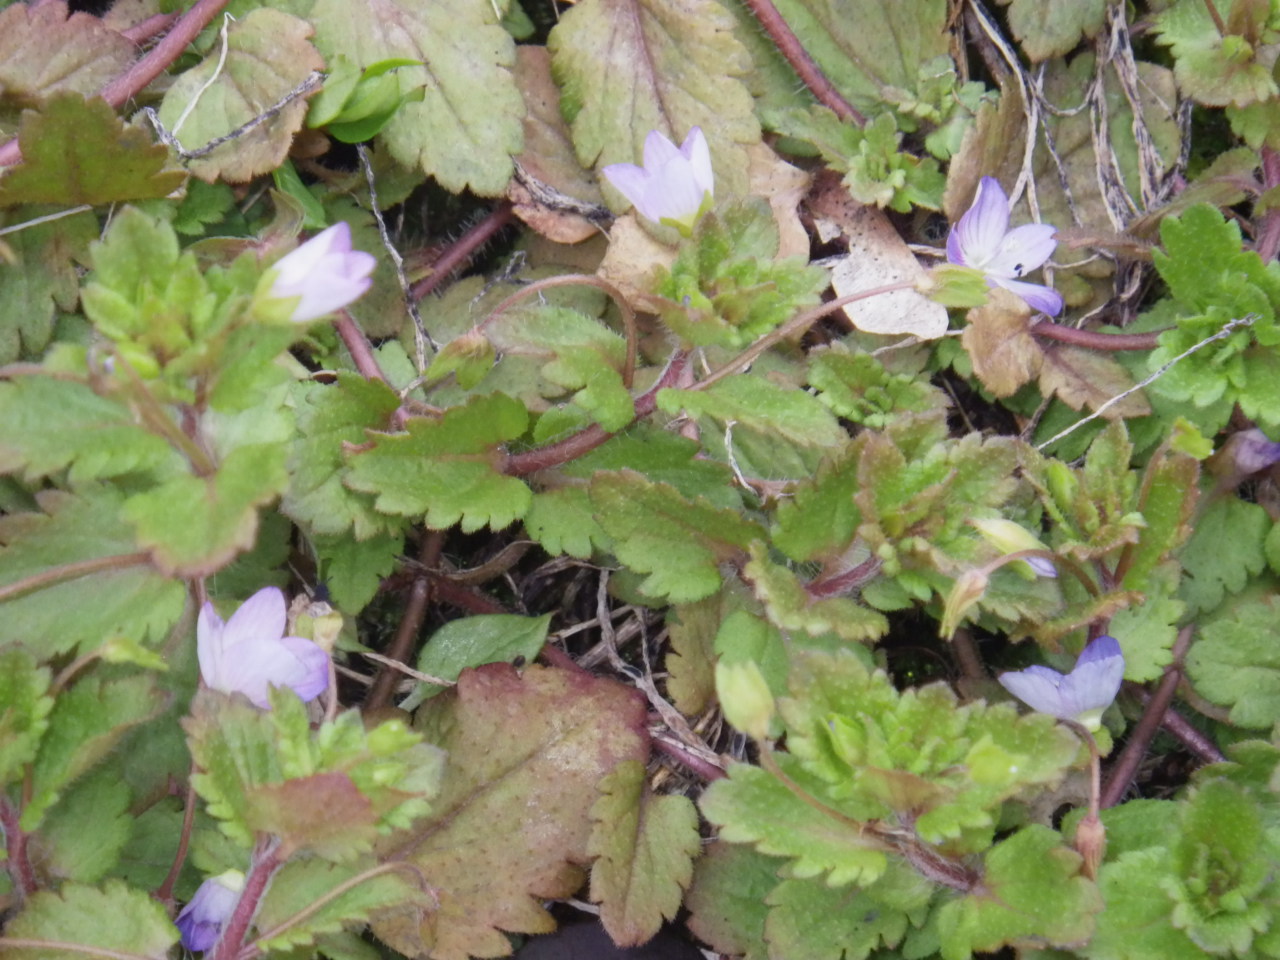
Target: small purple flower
{"x":1252,"y":451}
{"x":250,"y":653}
{"x":201,"y":920}
{"x":1083,"y":694}
{"x":982,"y":240}
{"x":325,"y":273}
{"x":674,"y":185}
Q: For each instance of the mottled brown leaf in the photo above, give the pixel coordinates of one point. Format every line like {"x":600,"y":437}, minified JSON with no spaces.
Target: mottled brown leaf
{"x":1086,"y":378}
{"x":1004,"y":353}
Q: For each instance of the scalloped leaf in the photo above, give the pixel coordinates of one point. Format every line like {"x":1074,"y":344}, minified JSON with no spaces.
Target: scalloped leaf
{"x":77,"y":151}
{"x":466,"y":128}
{"x":644,"y":847}
{"x":759,"y":403}
{"x":267,"y":55}
{"x":444,"y":470}
{"x":727,"y":899}
{"x":790,"y":606}
{"x":113,"y":917}
{"x":44,"y":51}
{"x":1235,"y":662}
{"x":1049,"y":28}
{"x":626,"y":67}
{"x":525,"y":754}
{"x":24,"y":710}
{"x":1214,"y":69}
{"x":1225,"y":550}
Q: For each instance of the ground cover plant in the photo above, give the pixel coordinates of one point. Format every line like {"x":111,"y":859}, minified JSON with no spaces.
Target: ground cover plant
{"x":794,"y":479}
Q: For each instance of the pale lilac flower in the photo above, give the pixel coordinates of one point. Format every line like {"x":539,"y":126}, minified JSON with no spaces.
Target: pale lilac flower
{"x":982,"y":240}
{"x":1083,"y":694}
{"x":1252,"y":451}
{"x":250,"y":653}
{"x":674,"y":184}
{"x":325,"y":273}
{"x":201,"y":921}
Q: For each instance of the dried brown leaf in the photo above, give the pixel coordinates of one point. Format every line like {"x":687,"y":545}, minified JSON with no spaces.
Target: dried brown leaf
{"x":1004,"y":353}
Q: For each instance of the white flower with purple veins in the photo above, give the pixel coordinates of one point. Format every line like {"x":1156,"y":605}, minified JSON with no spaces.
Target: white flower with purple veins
{"x":201,"y":921}
{"x":1083,"y":694}
{"x":982,"y":240}
{"x":674,"y":185}
{"x":324,"y":273}
{"x":249,"y":653}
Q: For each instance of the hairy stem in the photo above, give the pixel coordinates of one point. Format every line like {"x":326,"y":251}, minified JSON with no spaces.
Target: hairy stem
{"x":1093,"y":340}
{"x":20,"y":869}
{"x":266,"y":862}
{"x":463,"y":249}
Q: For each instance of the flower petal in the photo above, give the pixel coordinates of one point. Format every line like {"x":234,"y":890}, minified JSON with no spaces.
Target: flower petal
{"x":658,"y":150}
{"x":983,"y":226}
{"x":202,"y":919}
{"x":262,"y":617}
{"x":1022,"y":250}
{"x":1042,"y":566}
{"x":313,"y":676}
{"x":698,"y":153}
{"x":277,"y":664}
{"x":672,"y":193}
{"x":1253,"y":451}
{"x":210,"y":631}
{"x":1038,"y":688}
{"x":297,"y":265}
{"x":1038,"y":297}
{"x":629,"y":179}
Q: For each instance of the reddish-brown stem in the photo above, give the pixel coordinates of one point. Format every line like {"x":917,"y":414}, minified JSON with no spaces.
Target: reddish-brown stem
{"x":822,"y":587}
{"x":148,"y":28}
{"x":1268,"y":242}
{"x":465,"y":597}
{"x":789,"y":46}
{"x":71,"y":571}
{"x":1177,"y":726}
{"x":463,"y":249}
{"x":689,"y":760}
{"x":266,"y":862}
{"x":415,"y":611}
{"x":357,"y":345}
{"x":20,"y":869}
{"x":1093,"y":340}
{"x":584,"y":441}
{"x":164,"y":892}
{"x":1126,"y":765}
{"x":1216,"y":17}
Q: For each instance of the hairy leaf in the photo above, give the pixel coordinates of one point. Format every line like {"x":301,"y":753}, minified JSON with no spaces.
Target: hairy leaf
{"x":44,"y":51}
{"x":113,"y":917}
{"x":24,"y":710}
{"x":1234,"y":662}
{"x":1048,"y":28}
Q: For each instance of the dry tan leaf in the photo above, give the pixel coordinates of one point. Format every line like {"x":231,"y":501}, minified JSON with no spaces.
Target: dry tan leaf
{"x":1004,"y":353}
{"x":1086,"y":378}
{"x":633,"y":255}
{"x":44,"y":51}
{"x":784,"y":186}
{"x":878,"y":256}
{"x":992,"y":147}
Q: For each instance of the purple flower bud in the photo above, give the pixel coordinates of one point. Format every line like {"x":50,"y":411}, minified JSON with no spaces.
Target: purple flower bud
{"x":1083,"y":694}
{"x":250,"y":653}
{"x":673,"y":185}
{"x":201,"y":920}
{"x":1252,"y":451}
{"x":324,"y":273}
{"x":982,"y":240}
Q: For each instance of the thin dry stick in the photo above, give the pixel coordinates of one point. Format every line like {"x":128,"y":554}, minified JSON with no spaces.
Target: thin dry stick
{"x":421,"y":336}
{"x":1229,"y":328}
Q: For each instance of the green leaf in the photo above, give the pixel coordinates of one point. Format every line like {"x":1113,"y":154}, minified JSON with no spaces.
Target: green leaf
{"x":24,"y":710}
{"x":77,"y":151}
{"x":195,"y":525}
{"x":354,"y":569}
{"x":82,"y":837}
{"x":114,"y":917}
{"x":1213,"y":69}
{"x":752,"y":806}
{"x":1224,"y":551}
{"x":267,"y":55}
{"x":626,"y":67}
{"x":1222,"y":858}
{"x":525,"y":753}
{"x":1053,"y":28}
{"x":790,"y":606}
{"x":1137,"y":922}
{"x":820,"y":519}
{"x":859,"y":388}
{"x":443,"y":469}
{"x":41,"y":280}
{"x":127,"y":598}
{"x":866,"y":65}
{"x":1149,"y":629}
{"x":727,"y":899}
{"x":474,"y":641}
{"x":467,"y":127}
{"x":679,"y":543}
{"x":1234,"y":662}
{"x":287,"y":918}
{"x":1170,"y":494}
{"x":87,"y":722}
{"x":761,"y":404}
{"x":644,"y":847}
{"x":329,"y":417}
{"x":48,"y":424}
{"x":330,"y":792}
{"x":690,"y":664}
{"x":1031,"y":893}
